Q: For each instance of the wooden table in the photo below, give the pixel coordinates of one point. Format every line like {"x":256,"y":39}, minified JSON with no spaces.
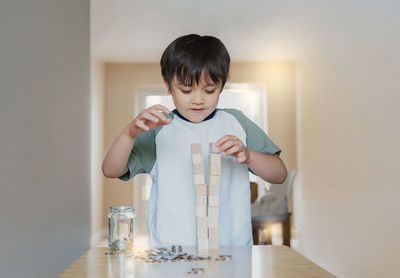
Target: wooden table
{"x":247,"y":261}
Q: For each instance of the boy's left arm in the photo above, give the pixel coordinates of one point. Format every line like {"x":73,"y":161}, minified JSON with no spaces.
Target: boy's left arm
{"x":269,"y":167}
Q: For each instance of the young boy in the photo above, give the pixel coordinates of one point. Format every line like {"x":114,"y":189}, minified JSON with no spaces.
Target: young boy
{"x":158,"y":142}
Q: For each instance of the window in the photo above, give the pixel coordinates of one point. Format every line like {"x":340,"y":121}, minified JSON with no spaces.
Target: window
{"x":249,"y":98}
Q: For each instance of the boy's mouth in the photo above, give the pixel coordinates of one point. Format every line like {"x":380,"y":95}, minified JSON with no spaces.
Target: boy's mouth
{"x":197,"y":110}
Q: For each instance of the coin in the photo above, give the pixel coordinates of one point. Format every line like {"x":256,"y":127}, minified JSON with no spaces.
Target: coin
{"x":225,"y":257}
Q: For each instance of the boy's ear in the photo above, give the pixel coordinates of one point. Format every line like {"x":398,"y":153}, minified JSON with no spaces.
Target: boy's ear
{"x":167,"y":86}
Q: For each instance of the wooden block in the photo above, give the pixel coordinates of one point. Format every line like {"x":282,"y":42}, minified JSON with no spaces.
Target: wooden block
{"x":214,"y":170}
{"x":197,"y":158}
{"x":202,"y":232}
{"x":201,"y":200}
{"x":213,"y":148}
{"x":201,"y":189}
{"x":202,"y":222}
{"x":198,"y":169}
{"x":196,"y":148}
{"x":201,"y":211}
{"x":213,"y":212}
{"x":213,"y":239}
{"x":213,"y":233}
{"x":214,"y":159}
{"x":198,"y":179}
{"x":202,"y":227}
{"x":212,"y":222}
{"x":213,"y":200}
{"x":214,"y":164}
{"x":202,"y":243}
{"x":202,"y":253}
{"x":213,"y":253}
{"x":213,"y":190}
{"x":213,"y":243}
{"x":213,"y":180}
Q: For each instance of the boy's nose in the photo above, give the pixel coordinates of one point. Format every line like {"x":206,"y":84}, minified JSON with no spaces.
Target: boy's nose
{"x":198,"y":97}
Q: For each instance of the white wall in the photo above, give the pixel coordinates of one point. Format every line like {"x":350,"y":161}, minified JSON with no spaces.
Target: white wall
{"x":347,"y":201}
{"x":97,"y":210}
{"x":44,"y":135}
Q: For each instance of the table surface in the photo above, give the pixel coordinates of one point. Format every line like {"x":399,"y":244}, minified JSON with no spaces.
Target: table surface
{"x":247,"y":261}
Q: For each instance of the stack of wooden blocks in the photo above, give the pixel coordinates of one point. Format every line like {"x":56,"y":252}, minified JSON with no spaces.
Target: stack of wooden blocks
{"x":207,"y":198}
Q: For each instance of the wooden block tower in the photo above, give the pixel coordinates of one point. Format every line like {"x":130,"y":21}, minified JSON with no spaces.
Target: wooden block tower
{"x":201,"y":197}
{"x":207,"y":198}
{"x":213,"y":180}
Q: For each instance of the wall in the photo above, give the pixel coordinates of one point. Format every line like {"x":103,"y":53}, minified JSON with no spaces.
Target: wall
{"x":44,"y":122}
{"x":348,"y":84}
{"x":97,"y":211}
{"x":122,"y":80}
{"x":280,"y":80}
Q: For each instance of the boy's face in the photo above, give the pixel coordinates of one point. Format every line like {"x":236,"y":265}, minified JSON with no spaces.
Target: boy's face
{"x":195,"y":102}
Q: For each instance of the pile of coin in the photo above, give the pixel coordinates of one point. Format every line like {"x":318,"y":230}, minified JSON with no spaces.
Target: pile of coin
{"x":158,"y":255}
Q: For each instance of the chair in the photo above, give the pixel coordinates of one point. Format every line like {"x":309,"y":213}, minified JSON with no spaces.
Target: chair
{"x":273,"y":208}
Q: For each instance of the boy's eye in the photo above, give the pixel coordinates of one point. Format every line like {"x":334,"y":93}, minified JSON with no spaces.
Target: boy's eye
{"x":210,"y":91}
{"x":185,"y":91}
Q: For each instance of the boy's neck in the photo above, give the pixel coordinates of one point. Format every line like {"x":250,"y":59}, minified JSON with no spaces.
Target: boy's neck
{"x":183,"y":118}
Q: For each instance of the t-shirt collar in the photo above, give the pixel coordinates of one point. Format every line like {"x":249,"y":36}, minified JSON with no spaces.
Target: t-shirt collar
{"x":183,"y":118}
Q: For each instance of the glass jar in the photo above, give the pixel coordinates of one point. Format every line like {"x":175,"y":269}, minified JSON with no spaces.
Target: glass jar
{"x":121,"y":228}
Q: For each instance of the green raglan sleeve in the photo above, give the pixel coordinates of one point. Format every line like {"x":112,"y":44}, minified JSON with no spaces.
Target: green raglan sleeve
{"x":256,"y":139}
{"x":142,"y":156}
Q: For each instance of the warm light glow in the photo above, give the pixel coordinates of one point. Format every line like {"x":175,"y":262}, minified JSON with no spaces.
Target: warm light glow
{"x":141,"y":242}
{"x":276,"y":238}
{"x":165,"y":100}
{"x":274,"y":231}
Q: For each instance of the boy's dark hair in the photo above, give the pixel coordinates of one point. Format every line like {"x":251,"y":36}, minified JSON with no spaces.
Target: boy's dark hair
{"x":188,"y":56}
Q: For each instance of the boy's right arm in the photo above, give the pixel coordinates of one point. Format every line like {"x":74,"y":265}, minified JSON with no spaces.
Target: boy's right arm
{"x":116,"y":159}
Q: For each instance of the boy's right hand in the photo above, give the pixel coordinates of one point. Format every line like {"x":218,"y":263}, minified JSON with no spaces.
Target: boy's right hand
{"x":147,"y":120}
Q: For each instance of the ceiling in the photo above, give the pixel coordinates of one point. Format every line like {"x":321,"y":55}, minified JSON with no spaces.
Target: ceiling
{"x":139,"y":31}
{"x":252,"y":30}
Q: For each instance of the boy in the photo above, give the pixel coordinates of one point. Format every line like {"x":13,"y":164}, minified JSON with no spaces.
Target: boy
{"x":158,"y":142}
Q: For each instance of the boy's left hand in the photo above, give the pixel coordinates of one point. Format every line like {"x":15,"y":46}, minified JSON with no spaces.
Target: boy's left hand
{"x":231,"y":145}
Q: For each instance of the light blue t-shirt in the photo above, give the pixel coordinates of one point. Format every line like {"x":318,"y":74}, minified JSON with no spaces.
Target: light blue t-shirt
{"x":165,"y":153}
